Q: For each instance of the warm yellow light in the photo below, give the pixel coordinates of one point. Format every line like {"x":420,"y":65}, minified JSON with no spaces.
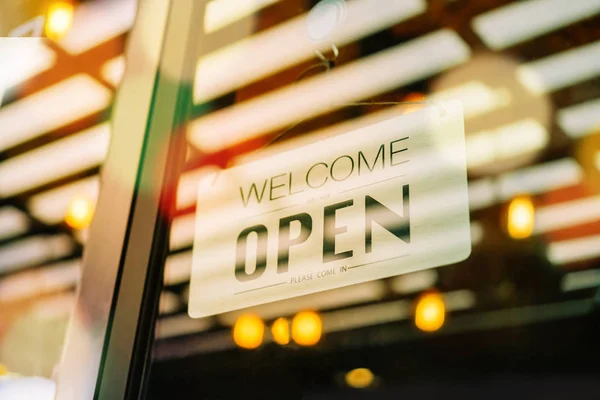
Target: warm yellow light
{"x":430,"y":312}
{"x":281,"y":331}
{"x":520,"y":217}
{"x":80,"y":213}
{"x":411,"y":102}
{"x":360,"y":378}
{"x":59,"y":20}
{"x":3,"y":370}
{"x":248,"y":331}
{"x":307,"y":328}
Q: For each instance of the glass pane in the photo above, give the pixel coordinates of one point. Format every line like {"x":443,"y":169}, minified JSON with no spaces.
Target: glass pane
{"x":282,"y":83}
{"x":57,"y":80}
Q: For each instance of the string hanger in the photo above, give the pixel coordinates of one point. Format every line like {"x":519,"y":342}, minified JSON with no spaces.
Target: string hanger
{"x":325,"y":62}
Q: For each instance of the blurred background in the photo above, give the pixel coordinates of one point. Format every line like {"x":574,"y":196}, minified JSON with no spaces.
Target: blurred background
{"x":517,"y":317}
{"x":56,"y":95}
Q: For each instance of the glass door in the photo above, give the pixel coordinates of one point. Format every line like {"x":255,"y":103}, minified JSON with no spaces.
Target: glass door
{"x":367,"y":199}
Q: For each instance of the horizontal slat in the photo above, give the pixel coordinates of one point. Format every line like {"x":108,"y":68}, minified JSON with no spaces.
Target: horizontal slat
{"x":51,"y":108}
{"x":386,"y":70}
{"x":45,"y":164}
{"x":524,"y":20}
{"x":288,"y":43}
{"x":34,"y":250}
{"x":561,"y":70}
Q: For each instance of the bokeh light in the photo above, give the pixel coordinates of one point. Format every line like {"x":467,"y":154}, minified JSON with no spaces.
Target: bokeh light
{"x":412,"y":100}
{"x":60,"y":18}
{"x":248,"y":331}
{"x":281,"y":331}
{"x":360,"y":378}
{"x":80,"y":212}
{"x":430,"y":312}
{"x":520,"y":217}
{"x":307,"y":328}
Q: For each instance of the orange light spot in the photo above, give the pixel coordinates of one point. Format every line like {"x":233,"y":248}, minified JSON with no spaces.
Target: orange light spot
{"x":360,"y":378}
{"x":80,"y":213}
{"x":307,"y":328}
{"x":430,"y":312}
{"x":520,"y":217}
{"x":248,"y":331}
{"x":281,"y":331}
{"x":59,"y":20}
{"x":413,"y":98}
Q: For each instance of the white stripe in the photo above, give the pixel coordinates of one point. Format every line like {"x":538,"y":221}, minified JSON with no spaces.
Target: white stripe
{"x":40,"y":281}
{"x":21,"y":59}
{"x":98,"y":21}
{"x":561,"y":70}
{"x":220,"y":13}
{"x":45,"y":164}
{"x":51,"y":108}
{"x":566,"y":214}
{"x":113,"y":70}
{"x":400,"y":65}
{"x":580,"y":280}
{"x":355,"y":294}
{"x":181,"y":325}
{"x":178,"y":268}
{"x":414,"y":281}
{"x":182,"y":231}
{"x":581,"y":119}
{"x":524,"y":20}
{"x":572,"y":250}
{"x":540,"y":178}
{"x":51,"y":207}
{"x":287,"y":44}
{"x":12,"y":222}
{"x":33,"y":250}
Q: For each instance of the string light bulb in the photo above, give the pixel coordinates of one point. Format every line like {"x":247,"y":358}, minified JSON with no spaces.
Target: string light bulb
{"x":360,"y":378}
{"x":281,"y":331}
{"x":412,"y":101}
{"x":520,"y":217}
{"x":59,"y":19}
{"x":248,"y":331}
{"x":307,"y":328}
{"x":80,"y":212}
{"x":430,"y":312}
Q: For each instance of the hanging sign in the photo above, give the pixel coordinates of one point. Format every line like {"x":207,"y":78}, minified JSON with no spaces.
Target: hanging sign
{"x":379,"y":201}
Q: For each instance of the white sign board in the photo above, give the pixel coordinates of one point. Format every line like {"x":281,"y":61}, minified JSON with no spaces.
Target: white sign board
{"x":383,"y":200}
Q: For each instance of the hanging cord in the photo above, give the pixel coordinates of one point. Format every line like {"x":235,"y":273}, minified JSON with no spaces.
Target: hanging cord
{"x":327,"y":64}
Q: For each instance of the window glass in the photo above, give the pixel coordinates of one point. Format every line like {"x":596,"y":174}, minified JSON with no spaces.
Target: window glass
{"x":275,"y":78}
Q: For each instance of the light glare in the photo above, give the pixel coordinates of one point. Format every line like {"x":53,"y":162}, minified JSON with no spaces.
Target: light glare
{"x":307,"y":328}
{"x":430,"y":312}
{"x":360,"y":378}
{"x":248,"y":331}
{"x":521,"y":217}
{"x":60,"y":19}
{"x":80,"y":212}
{"x":281,"y":331}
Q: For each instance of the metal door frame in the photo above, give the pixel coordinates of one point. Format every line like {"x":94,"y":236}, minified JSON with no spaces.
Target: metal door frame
{"x":111,"y":331}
